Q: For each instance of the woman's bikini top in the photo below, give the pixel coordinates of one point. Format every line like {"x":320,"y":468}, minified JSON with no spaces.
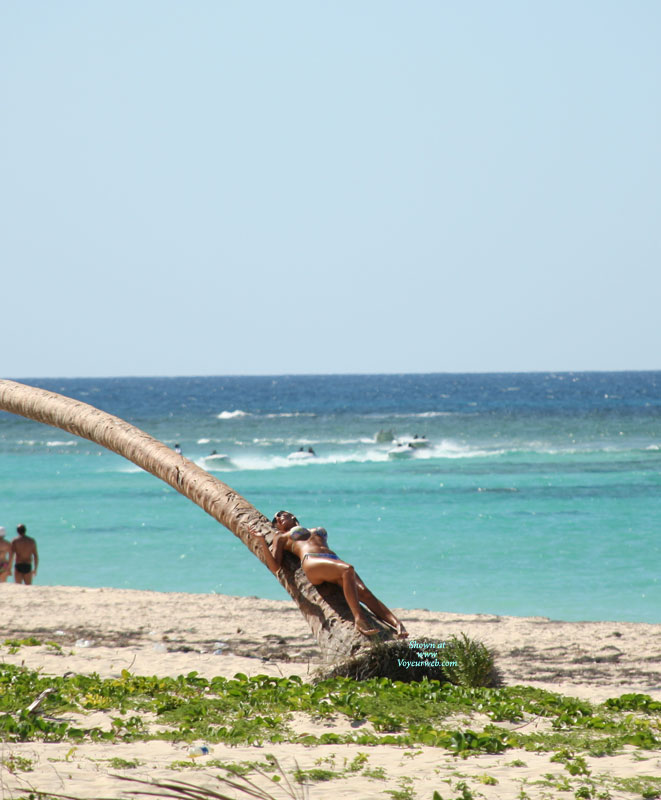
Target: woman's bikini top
{"x":301,"y":534}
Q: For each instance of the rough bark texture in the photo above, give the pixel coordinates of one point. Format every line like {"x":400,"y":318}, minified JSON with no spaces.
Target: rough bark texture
{"x":323,"y":607}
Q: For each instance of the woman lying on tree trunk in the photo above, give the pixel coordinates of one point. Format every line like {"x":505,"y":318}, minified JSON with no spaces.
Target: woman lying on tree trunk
{"x":321,"y":564}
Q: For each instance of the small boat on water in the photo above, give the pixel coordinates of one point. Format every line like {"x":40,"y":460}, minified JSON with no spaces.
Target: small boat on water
{"x":302,"y":455}
{"x":217,"y":458}
{"x":416,"y":442}
{"x":401,"y":451}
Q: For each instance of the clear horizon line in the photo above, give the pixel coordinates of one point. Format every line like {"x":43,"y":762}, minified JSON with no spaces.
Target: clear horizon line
{"x":335,"y":374}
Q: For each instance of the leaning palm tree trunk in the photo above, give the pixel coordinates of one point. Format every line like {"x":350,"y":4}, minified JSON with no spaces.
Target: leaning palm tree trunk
{"x":323,"y":607}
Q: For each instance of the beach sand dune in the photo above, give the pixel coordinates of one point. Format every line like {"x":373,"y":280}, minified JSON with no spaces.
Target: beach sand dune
{"x":106,"y":631}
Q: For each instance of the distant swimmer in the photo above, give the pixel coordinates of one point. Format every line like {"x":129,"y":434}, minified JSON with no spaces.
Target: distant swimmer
{"x":5,"y":556}
{"x":177,"y":449}
{"x":320,"y":564}
{"x":24,"y":550}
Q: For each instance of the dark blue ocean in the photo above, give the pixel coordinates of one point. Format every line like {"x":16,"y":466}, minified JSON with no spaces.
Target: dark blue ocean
{"x":532,"y":494}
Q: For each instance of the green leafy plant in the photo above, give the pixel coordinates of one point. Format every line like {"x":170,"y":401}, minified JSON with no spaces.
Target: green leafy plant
{"x":474,"y":662}
{"x":122,"y":763}
{"x":644,"y":785}
{"x":375,"y":773}
{"x":15,"y":644}
{"x":634,"y":702}
{"x":14,"y":764}
{"x":405,"y":792}
{"x":258,"y":710}
{"x":358,"y":763}
{"x":463,"y":788}
{"x":315,"y":774}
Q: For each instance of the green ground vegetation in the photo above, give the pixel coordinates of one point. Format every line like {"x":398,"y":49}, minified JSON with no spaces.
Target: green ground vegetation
{"x":258,"y":710}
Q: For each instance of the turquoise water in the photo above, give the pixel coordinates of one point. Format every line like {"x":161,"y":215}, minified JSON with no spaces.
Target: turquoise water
{"x":537,"y":495}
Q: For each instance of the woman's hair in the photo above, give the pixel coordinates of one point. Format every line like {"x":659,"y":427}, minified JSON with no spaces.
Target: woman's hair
{"x":275,"y":519}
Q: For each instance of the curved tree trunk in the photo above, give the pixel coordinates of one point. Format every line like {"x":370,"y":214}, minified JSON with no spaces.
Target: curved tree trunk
{"x":323,"y":607}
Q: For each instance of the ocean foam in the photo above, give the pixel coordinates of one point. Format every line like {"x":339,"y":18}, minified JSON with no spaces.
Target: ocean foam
{"x":290,"y":414}
{"x":415,"y":414}
{"x":280,"y":415}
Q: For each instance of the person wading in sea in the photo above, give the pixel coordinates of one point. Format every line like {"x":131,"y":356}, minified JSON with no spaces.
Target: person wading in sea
{"x":320,"y":564}
{"x":24,"y":550}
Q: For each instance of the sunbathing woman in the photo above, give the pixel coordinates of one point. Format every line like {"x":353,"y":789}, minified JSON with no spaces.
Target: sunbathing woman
{"x":322,"y":565}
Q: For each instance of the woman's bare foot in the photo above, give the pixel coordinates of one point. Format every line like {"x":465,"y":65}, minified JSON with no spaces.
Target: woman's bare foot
{"x":400,"y":630}
{"x":402,"y":633}
{"x":364,"y":629}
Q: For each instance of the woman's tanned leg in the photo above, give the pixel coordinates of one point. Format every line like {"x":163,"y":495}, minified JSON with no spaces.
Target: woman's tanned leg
{"x":320,"y":570}
{"x":379,"y":609}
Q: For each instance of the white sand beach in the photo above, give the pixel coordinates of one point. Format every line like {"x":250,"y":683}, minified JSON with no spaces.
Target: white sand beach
{"x":106,"y":631}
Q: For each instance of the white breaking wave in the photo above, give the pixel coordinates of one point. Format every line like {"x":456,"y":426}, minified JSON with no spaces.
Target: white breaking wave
{"x":61,"y":444}
{"x":288,"y":414}
{"x":372,"y":454}
{"x":416,"y":415}
{"x":450,"y":449}
{"x":237,"y":413}
{"x":255,"y":462}
{"x":299,"y":441}
{"x":232,"y":414}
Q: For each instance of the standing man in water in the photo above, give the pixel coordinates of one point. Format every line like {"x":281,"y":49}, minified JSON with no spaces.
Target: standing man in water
{"x":24,"y":549}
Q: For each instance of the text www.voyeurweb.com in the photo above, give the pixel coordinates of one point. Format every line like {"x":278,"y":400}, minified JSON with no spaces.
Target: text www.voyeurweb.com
{"x":428,"y":655}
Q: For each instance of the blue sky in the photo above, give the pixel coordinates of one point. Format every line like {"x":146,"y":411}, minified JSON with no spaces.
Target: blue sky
{"x":215,"y":187}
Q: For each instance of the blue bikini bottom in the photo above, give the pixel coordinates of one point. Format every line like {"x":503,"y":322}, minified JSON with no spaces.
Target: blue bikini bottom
{"x":332,"y":556}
